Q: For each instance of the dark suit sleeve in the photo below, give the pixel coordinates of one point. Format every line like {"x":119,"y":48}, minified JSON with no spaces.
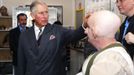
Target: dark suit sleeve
{"x":21,"y":67}
{"x":74,"y":35}
{"x":11,"y":41}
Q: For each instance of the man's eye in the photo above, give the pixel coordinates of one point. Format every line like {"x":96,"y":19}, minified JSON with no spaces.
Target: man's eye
{"x":43,"y":12}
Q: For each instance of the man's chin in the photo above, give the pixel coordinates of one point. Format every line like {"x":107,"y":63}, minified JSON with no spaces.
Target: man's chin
{"x":122,"y":12}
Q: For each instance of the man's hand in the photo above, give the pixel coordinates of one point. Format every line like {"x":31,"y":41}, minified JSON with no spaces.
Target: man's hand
{"x":129,"y":38}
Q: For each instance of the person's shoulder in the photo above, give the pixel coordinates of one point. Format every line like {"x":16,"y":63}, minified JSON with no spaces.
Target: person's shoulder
{"x":114,"y":54}
{"x":14,"y":29}
{"x":58,"y":23}
{"x":108,"y":57}
{"x":55,"y":26}
{"x":133,"y":16}
{"x":131,"y":19}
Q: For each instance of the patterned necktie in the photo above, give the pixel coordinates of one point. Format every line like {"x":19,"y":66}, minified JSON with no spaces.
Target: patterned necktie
{"x":125,"y":30}
{"x":23,"y":29}
{"x":39,"y":36}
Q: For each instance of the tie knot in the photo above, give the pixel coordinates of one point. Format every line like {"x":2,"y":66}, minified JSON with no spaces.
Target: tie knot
{"x":39,"y":36}
{"x":40,"y":29}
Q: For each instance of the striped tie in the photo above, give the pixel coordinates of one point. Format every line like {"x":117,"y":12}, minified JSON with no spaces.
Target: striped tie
{"x":39,"y":36}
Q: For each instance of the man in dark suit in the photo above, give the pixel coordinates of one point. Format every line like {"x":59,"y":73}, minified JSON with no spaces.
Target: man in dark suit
{"x":14,"y":36}
{"x":126,"y":7}
{"x":44,"y":57}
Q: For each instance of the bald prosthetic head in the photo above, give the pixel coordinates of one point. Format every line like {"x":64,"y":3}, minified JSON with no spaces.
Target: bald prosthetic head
{"x":104,"y":24}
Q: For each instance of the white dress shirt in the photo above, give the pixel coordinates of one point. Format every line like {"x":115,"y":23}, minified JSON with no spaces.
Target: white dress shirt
{"x":37,"y":30}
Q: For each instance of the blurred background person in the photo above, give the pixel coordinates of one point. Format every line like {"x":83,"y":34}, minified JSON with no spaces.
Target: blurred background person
{"x":126,"y":7}
{"x":58,"y":22}
{"x":14,"y":37}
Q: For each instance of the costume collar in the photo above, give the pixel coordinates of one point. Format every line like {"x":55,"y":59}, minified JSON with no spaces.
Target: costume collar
{"x":112,"y":45}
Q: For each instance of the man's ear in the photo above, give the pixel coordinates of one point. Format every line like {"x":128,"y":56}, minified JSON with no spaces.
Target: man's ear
{"x":32,"y":15}
{"x":94,"y":33}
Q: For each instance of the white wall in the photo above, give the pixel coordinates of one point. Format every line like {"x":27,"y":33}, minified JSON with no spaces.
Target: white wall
{"x":68,"y":8}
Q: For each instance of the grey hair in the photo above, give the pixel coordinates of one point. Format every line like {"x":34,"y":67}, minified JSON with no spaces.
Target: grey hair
{"x":34,"y":4}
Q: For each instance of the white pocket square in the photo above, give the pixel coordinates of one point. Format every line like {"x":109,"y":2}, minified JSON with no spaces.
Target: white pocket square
{"x":52,"y":37}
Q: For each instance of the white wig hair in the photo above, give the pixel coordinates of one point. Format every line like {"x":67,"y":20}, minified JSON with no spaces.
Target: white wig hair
{"x":104,"y":23}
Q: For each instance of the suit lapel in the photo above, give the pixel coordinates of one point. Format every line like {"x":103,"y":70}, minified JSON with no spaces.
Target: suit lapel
{"x":45,"y":38}
{"x":47,"y":29}
{"x":37,"y":50}
{"x":131,"y":26}
{"x":18,"y":31}
{"x":32,"y":41}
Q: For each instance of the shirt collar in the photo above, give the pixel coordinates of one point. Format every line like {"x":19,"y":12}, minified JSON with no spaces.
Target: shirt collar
{"x":112,"y":45}
{"x":21,"y":28}
{"x":37,"y":28}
